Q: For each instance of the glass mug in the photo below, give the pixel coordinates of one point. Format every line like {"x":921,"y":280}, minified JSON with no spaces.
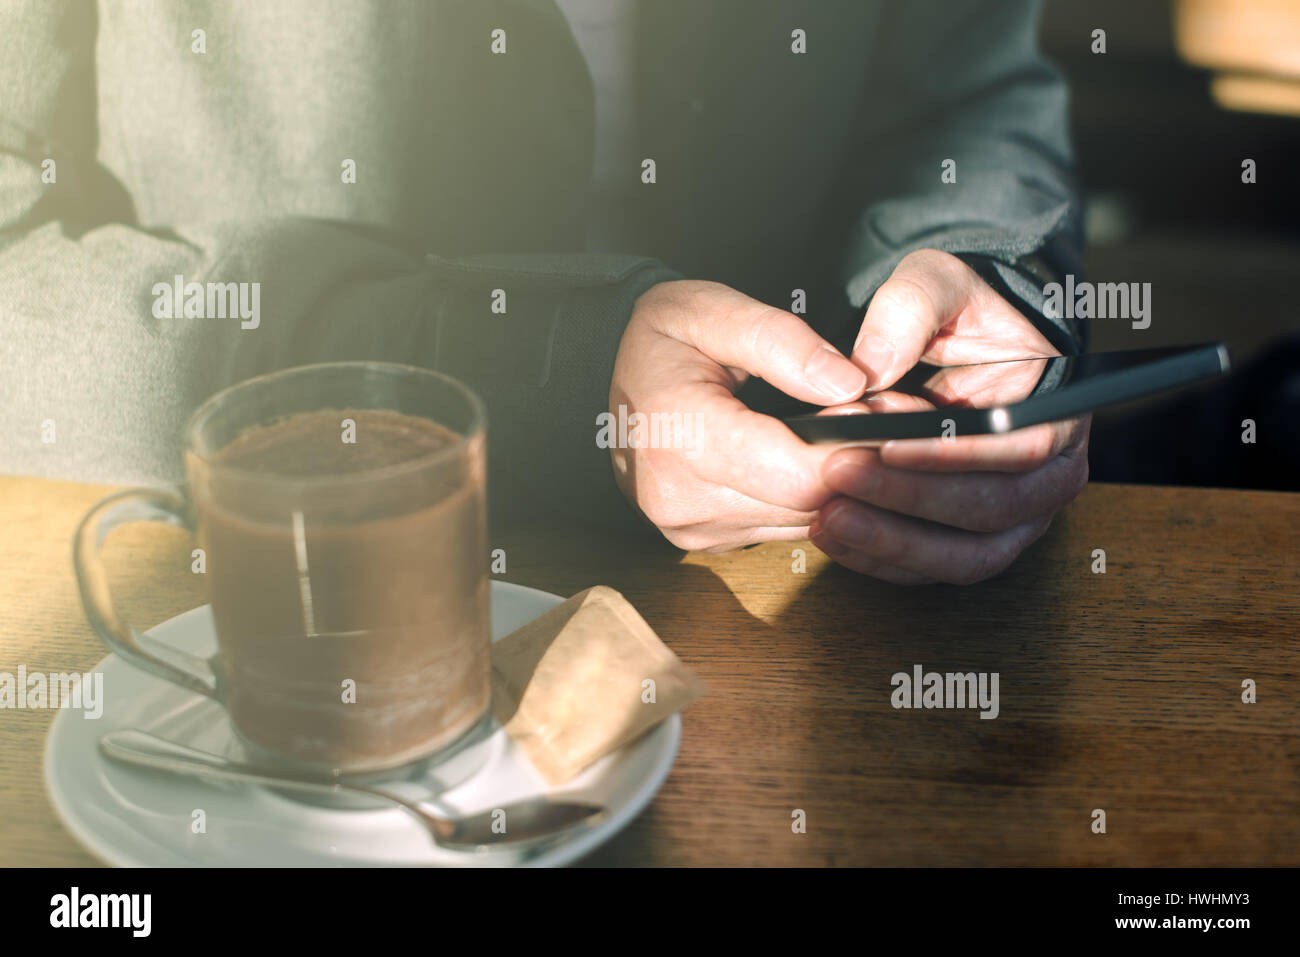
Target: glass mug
{"x":349,"y":589}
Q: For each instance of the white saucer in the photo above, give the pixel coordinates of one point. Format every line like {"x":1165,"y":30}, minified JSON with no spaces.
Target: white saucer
{"x":134,"y":817}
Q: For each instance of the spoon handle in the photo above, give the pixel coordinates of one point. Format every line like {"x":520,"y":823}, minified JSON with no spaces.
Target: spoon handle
{"x":147,"y":751}
{"x":531,"y":820}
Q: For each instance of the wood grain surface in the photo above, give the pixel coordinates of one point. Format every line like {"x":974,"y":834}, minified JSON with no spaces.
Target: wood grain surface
{"x":1119,"y":691}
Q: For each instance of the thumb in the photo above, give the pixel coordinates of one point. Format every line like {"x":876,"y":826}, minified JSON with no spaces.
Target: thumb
{"x":926,"y":291}
{"x":735,"y":330}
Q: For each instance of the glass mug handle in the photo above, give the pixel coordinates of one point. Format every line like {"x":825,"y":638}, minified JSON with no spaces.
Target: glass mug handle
{"x":135,"y":505}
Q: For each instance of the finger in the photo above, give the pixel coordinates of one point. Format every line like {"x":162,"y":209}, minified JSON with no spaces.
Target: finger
{"x":1022,"y":450}
{"x":756,"y":455}
{"x":750,"y":514}
{"x":986,"y":385}
{"x":926,"y":291}
{"x":875,"y":538}
{"x":888,"y":401}
{"x":843,"y":555}
{"x":974,"y":501}
{"x":761,"y":534}
{"x":710,"y":518}
{"x":780,"y":533}
{"x":720,"y":541}
{"x":770,"y":343}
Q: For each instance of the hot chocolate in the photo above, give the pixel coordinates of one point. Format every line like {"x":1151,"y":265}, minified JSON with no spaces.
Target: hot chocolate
{"x":351,"y":614}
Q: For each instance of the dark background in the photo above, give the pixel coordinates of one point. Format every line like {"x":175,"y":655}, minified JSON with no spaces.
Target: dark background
{"x":1160,"y":166}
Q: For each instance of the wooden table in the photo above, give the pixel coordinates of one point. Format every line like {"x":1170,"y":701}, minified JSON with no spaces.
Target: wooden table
{"x":1119,"y":691}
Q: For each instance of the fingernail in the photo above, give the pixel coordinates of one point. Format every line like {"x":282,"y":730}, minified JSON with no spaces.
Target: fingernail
{"x":835,"y":376}
{"x":850,"y":525}
{"x":854,"y":472}
{"x":878,"y":355}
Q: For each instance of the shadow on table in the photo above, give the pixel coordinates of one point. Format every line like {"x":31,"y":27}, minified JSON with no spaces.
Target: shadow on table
{"x":724,"y":784}
{"x":798,"y":721}
{"x":904,"y":786}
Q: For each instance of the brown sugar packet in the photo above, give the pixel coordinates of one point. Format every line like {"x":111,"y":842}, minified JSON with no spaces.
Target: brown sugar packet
{"x":573,"y":685}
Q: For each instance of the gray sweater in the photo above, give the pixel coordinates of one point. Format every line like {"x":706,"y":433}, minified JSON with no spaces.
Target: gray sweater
{"x":380,"y":170}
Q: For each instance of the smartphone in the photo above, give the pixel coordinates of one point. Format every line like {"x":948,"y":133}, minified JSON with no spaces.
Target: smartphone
{"x":994,"y":397}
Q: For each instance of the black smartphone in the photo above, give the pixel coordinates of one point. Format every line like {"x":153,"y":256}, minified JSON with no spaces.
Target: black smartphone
{"x":994,"y":397}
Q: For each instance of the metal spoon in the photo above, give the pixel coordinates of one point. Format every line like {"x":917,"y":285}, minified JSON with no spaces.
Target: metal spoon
{"x":528,"y":820}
